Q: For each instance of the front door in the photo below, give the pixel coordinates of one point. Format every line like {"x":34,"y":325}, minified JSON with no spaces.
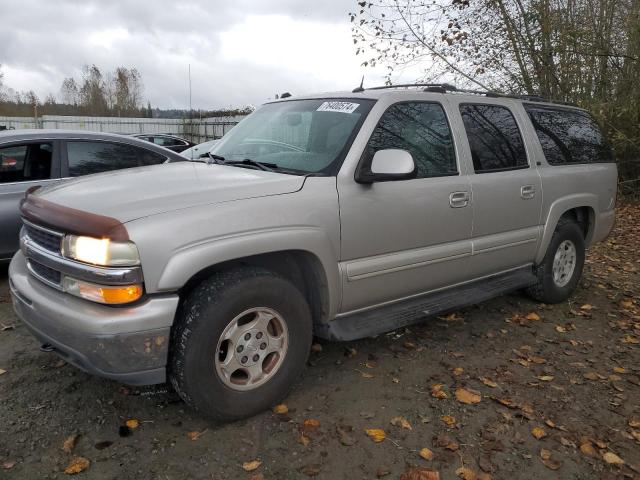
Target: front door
{"x":406,"y":237}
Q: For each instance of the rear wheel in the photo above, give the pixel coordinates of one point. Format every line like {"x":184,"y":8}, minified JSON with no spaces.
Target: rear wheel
{"x":560,"y":270}
{"x":241,"y":340}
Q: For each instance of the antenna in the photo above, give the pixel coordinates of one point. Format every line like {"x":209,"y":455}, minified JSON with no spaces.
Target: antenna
{"x":360,"y":88}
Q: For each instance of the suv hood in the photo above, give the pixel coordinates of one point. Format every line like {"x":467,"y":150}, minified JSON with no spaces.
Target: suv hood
{"x":140,"y":192}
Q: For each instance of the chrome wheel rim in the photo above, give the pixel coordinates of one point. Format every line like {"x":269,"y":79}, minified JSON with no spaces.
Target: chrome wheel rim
{"x":251,"y":348}
{"x":564,"y":263}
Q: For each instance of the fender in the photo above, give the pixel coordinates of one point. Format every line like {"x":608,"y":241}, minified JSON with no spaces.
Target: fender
{"x":191,"y":259}
{"x":557,"y":209}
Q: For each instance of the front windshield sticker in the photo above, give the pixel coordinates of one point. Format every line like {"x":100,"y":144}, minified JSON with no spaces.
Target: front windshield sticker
{"x":343,"y":107}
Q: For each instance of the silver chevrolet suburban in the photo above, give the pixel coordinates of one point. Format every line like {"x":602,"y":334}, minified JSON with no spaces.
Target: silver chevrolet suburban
{"x":337,"y":215}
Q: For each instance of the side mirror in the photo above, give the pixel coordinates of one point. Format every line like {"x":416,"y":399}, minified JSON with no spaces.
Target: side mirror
{"x":388,"y":165}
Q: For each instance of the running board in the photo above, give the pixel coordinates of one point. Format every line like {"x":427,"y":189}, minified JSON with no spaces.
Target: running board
{"x":391,"y":317}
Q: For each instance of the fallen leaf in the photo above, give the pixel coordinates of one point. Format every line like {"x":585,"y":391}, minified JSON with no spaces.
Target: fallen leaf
{"x":587,"y":449}
{"x":561,"y":329}
{"x":445,"y":441}
{"x":545,"y":454}
{"x":458,"y":371}
{"x":310,"y":425}
{"x":538,"y":433}
{"x":304,"y":440}
{"x":257,"y":476}
{"x":280,"y":409}
{"x":409,"y":345}
{"x":395,"y":380}
{"x":591,"y":376}
{"x":350,"y":352}
{"x":488,"y":382}
{"x":251,"y":466}
{"x":437,"y":392}
{"x":533,"y":316}
{"x":612,"y":459}
{"x":550,"y":463}
{"x":2,"y":371}
{"x":449,"y":420}
{"x":70,"y":443}
{"x":401,"y":422}
{"x":316,"y":348}
{"x":377,"y":435}
{"x":132,"y":423}
{"x":8,"y":465}
{"x":193,"y":436}
{"x":420,"y":474}
{"x":630,"y":339}
{"x":310,"y":470}
{"x":77,"y":465}
{"x":550,"y":423}
{"x":545,"y":378}
{"x":382,"y":472}
{"x":587,"y":307}
{"x":426,"y":454}
{"x":634,"y":423}
{"x":619,"y":370}
{"x":466,"y":473}
{"x":467,"y":396}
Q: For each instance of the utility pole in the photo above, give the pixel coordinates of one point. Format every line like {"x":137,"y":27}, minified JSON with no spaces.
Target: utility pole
{"x":190,"y":109}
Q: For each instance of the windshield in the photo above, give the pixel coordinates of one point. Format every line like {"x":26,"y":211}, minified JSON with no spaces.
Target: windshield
{"x":309,"y":136}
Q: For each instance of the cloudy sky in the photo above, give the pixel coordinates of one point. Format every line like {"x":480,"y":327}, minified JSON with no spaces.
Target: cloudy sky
{"x":241,"y":51}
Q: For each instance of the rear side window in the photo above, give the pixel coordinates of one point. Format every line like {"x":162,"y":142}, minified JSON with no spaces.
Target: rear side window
{"x":23,"y":163}
{"x":95,"y":157}
{"x":568,"y":136}
{"x":167,"y":141}
{"x":422,"y":129}
{"x":494,"y":138}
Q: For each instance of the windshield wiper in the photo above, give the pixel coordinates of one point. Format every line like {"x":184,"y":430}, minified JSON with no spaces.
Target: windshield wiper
{"x":268,"y":167}
{"x":216,"y":158}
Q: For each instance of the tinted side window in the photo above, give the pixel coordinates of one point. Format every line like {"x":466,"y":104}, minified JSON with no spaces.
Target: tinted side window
{"x":167,"y":141}
{"x":494,"y":138}
{"x":421,"y":128}
{"x":94,"y":157}
{"x":568,"y":136}
{"x":22,"y":163}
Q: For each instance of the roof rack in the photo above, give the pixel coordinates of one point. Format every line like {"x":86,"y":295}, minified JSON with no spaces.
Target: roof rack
{"x":447,"y":88}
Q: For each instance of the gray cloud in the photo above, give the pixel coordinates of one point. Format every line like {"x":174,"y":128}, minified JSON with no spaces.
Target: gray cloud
{"x":241,"y":52}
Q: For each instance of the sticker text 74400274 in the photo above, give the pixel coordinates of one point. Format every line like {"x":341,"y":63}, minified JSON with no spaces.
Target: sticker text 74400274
{"x":342,"y":107}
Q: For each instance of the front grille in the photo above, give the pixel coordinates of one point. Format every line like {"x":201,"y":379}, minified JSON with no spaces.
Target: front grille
{"x":43,"y":238}
{"x":46,"y":273}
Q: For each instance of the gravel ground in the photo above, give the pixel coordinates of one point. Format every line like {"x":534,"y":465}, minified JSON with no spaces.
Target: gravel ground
{"x":550,"y":392}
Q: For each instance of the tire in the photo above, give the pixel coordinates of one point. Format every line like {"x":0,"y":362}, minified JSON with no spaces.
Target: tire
{"x":556,"y":289}
{"x":208,"y":315}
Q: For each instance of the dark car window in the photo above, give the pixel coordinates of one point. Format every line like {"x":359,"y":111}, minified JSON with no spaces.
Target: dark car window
{"x":22,"y":163}
{"x":167,"y":141}
{"x":568,"y":136}
{"x":494,"y":138}
{"x":420,"y":128}
{"x":94,"y":157}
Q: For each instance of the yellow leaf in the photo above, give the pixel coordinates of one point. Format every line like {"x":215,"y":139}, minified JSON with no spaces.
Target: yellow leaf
{"x":304,"y":440}
{"x":401,"y":422}
{"x":77,"y":465}
{"x":467,"y":396}
{"x":280,"y":409}
{"x":619,"y":370}
{"x":612,"y":459}
{"x":591,"y":376}
{"x":466,"y":473}
{"x":251,"y":466}
{"x":458,"y":371}
{"x":538,"y":433}
{"x":488,"y":382}
{"x":448,"y":420}
{"x":587,"y":449}
{"x":545,"y":378}
{"x":132,"y":423}
{"x":587,"y":307}
{"x":377,"y":435}
{"x":70,"y":443}
{"x":426,"y":454}
{"x":437,"y":392}
{"x":630,"y":339}
{"x":193,"y":436}
{"x":533,"y":316}
{"x":634,"y":423}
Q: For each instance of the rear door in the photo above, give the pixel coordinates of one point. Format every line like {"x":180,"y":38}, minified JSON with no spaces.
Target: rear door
{"x":23,"y":165}
{"x":506,"y":188}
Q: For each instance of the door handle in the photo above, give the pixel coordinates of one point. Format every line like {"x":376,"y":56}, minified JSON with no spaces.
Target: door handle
{"x":527,"y":192}
{"x":459,"y":199}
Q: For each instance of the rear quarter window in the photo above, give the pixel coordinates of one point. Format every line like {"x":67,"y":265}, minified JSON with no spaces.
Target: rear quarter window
{"x":568,"y":136}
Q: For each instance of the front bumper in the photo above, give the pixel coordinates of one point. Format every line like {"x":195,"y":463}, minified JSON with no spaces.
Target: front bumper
{"x":128,"y":344}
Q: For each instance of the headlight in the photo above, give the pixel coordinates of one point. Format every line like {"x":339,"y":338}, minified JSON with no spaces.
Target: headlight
{"x":100,"y":251}
{"x":110,"y":295}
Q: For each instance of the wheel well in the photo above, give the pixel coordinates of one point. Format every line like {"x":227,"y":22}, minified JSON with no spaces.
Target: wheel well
{"x":301,"y":268}
{"x":584,"y":217}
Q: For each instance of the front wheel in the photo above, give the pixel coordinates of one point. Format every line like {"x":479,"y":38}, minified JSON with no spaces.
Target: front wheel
{"x":560,"y":270}
{"x":240,"y":341}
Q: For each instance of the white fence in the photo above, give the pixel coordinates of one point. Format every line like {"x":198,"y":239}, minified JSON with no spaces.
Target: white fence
{"x":196,"y":130}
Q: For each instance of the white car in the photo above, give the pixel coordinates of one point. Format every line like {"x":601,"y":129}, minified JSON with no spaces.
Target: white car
{"x":197,"y":151}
